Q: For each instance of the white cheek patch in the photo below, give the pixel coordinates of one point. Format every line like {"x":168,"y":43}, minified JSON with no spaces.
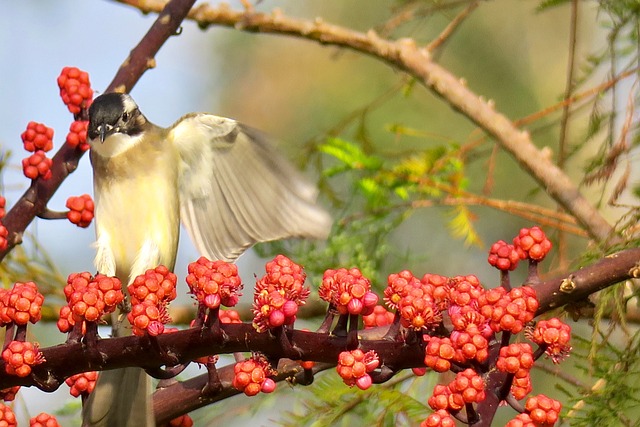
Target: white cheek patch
{"x":115,"y":144}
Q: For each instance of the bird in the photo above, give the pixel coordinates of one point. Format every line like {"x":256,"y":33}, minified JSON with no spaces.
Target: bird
{"x":224,"y":181}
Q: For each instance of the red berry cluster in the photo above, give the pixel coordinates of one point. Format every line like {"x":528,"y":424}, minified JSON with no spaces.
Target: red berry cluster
{"x":521,"y":420}
{"x":508,"y":311}
{"x":441,"y":287}
{"x":252,"y":376}
{"x":182,"y":421}
{"x":80,"y":210}
{"x":467,"y":387}
{"x":157,"y":285}
{"x":285,"y":276}
{"x":349,"y":291}
{"x":379,"y":317}
{"x":75,"y":89}
{"x":543,"y":410}
{"x":37,"y":165}
{"x":148,"y":317}
{"x":464,"y":290}
{"x":229,"y":316}
{"x":77,"y":136}
{"x":88,"y":298}
{"x":517,"y":359}
{"x":21,"y":304}
{"x":43,"y":420}
{"x":553,"y":334}
{"x":9,"y":394}
{"x":7,"y":417}
{"x":532,"y":243}
{"x":4,"y":233}
{"x":214,"y":283}
{"x":37,"y":137}
{"x":20,"y":356}
{"x":503,"y":256}
{"x":82,"y":384}
{"x":470,"y":344}
{"x":354,"y":367}
{"x":514,"y":358}
{"x":440,"y":418}
{"x":439,"y":353}
{"x":414,"y":301}
{"x":150,"y":293}
{"x":278,"y":294}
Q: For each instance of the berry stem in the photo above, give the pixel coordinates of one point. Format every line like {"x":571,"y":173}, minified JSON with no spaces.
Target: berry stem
{"x":352,"y":336}
{"x":214,"y":385}
{"x":505,"y":280}
{"x":341,"y":326}
{"x":394,"y":329}
{"x":8,"y":335}
{"x":533,"y":278}
{"x":472,"y":415}
{"x":514,"y":403}
{"x":288,"y":350}
{"x":50,"y":214}
{"x":167,"y":373}
{"x":21,"y":333}
{"x":328,"y":320}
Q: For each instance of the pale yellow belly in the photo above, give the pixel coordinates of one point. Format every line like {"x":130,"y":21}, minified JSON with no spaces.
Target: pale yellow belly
{"x":138,"y":219}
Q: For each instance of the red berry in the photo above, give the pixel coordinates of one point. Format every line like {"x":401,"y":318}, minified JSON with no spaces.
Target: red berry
{"x":7,"y":417}
{"x":37,"y":137}
{"x":75,"y":89}
{"x":81,"y":210}
{"x":555,"y":336}
{"x":348,"y":290}
{"x":82,"y":383}
{"x":20,"y":356}
{"x":37,"y":165}
{"x":43,"y":420}
{"x":532,"y":243}
{"x":77,"y":136}
{"x":503,"y":256}
{"x":214,"y":277}
{"x":253,"y":376}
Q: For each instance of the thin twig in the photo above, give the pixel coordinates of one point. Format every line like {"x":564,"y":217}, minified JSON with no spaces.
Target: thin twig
{"x":452,"y":26}
{"x":403,"y":54}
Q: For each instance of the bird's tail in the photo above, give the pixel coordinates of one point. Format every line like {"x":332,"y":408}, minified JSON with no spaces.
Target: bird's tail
{"x":122,"y":398}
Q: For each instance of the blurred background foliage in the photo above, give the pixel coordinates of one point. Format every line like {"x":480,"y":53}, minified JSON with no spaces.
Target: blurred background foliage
{"x":415,"y":185}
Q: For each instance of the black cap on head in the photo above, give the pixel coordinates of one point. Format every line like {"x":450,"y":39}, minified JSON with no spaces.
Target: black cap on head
{"x":113,"y":113}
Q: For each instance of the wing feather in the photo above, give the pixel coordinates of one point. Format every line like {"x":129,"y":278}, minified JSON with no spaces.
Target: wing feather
{"x":236,"y":190}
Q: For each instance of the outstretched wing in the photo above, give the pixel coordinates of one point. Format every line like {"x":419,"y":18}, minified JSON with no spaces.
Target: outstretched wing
{"x":236,"y":190}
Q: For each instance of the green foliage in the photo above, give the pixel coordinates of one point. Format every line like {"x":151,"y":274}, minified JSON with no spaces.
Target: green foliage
{"x":614,"y":371}
{"x":331,"y":403}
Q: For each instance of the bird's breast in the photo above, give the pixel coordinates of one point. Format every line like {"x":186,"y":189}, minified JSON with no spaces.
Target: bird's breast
{"x":137,"y":210}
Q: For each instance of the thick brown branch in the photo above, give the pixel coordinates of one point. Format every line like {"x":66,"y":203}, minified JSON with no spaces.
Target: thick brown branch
{"x":613,"y":269}
{"x":405,"y":55}
{"x":34,"y":201}
{"x":68,"y":359}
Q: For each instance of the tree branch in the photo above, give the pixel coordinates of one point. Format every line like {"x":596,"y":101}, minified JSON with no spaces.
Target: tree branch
{"x":403,"y":54}
{"x":65,"y":360}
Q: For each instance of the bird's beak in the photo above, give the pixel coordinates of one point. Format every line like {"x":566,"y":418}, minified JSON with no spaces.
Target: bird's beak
{"x":105,"y":130}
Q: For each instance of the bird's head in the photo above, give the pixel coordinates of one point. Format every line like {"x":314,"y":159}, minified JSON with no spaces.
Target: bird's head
{"x":114,"y":113}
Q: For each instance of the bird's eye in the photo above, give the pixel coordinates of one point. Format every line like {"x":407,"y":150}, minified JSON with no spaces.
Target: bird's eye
{"x":125,"y":117}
